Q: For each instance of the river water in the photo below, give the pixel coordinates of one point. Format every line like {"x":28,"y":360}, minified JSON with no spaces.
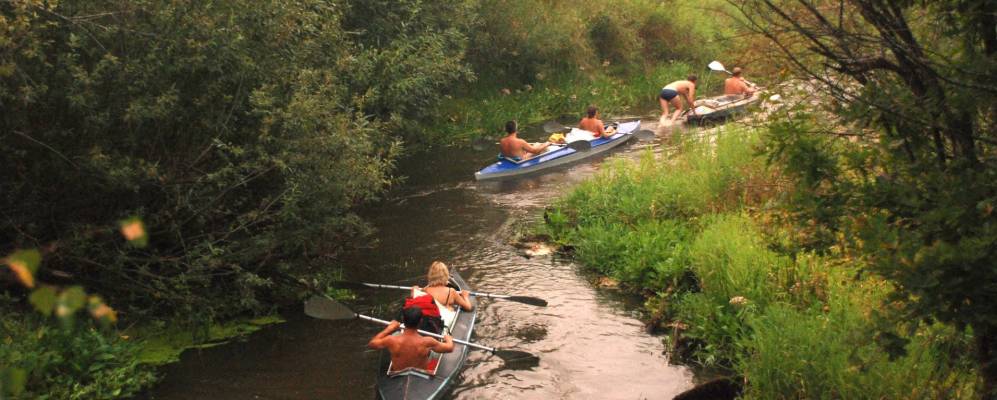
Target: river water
{"x":590,"y":341}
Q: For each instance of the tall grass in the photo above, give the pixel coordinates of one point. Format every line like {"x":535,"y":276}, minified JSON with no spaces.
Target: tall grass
{"x":836,"y":352}
{"x":691,"y":233}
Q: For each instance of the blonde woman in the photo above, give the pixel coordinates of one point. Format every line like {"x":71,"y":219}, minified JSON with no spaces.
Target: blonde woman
{"x":444,"y":297}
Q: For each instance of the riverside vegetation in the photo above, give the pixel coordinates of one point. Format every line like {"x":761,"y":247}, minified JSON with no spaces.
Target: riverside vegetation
{"x":845,"y":250}
{"x":703,"y":237}
{"x":242,"y":136}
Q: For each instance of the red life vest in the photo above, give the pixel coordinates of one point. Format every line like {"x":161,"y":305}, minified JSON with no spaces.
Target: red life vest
{"x":426,"y":303}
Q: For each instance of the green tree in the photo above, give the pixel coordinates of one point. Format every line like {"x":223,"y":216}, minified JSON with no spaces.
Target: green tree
{"x":914,"y":82}
{"x":245,"y":132}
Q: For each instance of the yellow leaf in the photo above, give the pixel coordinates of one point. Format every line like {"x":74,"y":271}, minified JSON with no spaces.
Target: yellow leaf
{"x":22,"y":272}
{"x":103,"y":312}
{"x":132,"y":230}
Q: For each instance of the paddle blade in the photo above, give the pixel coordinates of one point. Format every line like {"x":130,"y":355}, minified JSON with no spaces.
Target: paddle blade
{"x":516,"y":359}
{"x":553,"y":126}
{"x":482,"y":143}
{"x":326,"y":308}
{"x":717,"y":66}
{"x":644,"y":134}
{"x":533,"y":301}
{"x":580,"y":145}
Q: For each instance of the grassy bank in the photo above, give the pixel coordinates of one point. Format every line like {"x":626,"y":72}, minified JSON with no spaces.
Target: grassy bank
{"x":486,"y":107}
{"x":699,"y":235}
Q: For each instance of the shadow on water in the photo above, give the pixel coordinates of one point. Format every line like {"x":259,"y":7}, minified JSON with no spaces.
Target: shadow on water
{"x":590,"y":343}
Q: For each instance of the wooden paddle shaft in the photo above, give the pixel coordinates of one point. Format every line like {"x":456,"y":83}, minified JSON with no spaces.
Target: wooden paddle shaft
{"x":488,"y":295}
{"x":422,"y":332}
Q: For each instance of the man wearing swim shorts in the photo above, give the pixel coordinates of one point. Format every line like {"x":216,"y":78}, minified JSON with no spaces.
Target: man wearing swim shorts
{"x":670,"y":96}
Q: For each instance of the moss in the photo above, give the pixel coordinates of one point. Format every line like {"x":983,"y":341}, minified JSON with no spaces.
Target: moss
{"x":161,"y":343}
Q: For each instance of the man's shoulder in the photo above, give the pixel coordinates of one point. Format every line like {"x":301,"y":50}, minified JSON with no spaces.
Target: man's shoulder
{"x":429,"y":341}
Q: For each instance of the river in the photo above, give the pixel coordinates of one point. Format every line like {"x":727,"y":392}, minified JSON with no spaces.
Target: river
{"x":590,"y":341}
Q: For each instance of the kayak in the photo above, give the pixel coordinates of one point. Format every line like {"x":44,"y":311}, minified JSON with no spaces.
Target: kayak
{"x":557,"y":155}
{"x":721,"y":107}
{"x":430,"y":382}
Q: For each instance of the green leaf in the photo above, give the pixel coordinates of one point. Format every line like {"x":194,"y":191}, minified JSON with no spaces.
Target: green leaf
{"x":12,"y":380}
{"x":44,"y":299}
{"x":70,"y":300}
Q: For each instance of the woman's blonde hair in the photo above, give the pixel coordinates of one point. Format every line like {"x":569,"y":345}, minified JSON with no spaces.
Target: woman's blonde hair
{"x":438,"y":274}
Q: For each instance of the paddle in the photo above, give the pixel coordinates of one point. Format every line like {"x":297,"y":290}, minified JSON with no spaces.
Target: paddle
{"x":644,"y":135}
{"x":554,"y":126}
{"x":580,"y":145}
{"x":322,"y":307}
{"x":718,"y":67}
{"x":482,"y":143}
{"x":533,"y":301}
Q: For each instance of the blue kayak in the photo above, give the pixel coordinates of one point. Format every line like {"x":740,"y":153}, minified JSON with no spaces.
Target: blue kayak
{"x":557,"y":155}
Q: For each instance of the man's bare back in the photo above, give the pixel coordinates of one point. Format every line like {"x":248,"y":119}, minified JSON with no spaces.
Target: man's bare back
{"x":683,"y":87}
{"x":736,"y":85}
{"x":409,"y":349}
{"x":593,"y":125}
{"x":514,"y":147}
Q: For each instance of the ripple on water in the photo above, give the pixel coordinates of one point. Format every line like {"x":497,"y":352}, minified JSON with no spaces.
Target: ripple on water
{"x":590,"y":346}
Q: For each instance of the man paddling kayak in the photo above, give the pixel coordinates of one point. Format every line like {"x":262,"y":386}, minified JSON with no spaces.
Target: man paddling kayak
{"x":409,"y":349}
{"x":591,"y":123}
{"x":737,"y":85}
{"x":517,"y":149}
{"x":670,"y":95}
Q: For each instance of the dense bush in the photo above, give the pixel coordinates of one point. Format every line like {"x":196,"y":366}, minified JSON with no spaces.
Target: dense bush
{"x":244,"y":135}
{"x":523,"y":41}
{"x":77,"y":362}
{"x":906,"y":175}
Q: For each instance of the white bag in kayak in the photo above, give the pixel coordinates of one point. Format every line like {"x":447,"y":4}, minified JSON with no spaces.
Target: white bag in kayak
{"x":578,"y":134}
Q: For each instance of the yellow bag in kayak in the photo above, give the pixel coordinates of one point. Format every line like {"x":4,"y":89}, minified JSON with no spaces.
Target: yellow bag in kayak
{"x":556,"y":138}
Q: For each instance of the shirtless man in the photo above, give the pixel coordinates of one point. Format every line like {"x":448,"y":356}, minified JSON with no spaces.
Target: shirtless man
{"x":409,"y":349}
{"x":518,"y":149}
{"x":670,"y":95}
{"x":591,"y":123}
{"x":737,"y":85}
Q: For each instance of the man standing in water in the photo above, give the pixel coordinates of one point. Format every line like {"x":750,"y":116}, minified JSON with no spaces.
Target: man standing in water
{"x":591,"y":123}
{"x":670,"y":95}
{"x":409,"y":350}
{"x":737,"y":85}
{"x":517,"y":149}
